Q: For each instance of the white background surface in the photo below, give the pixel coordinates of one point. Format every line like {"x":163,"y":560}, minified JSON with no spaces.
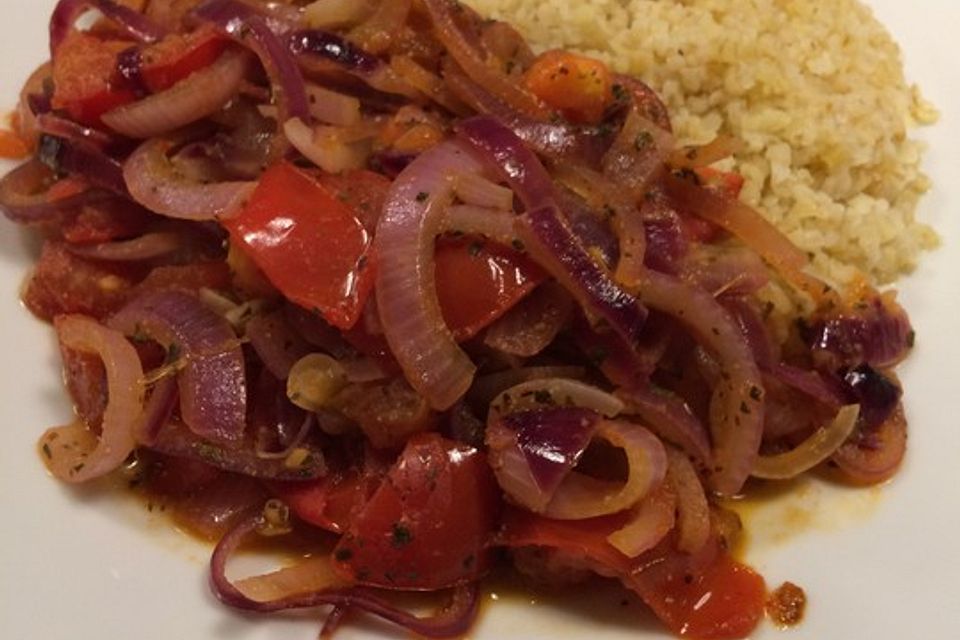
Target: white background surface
{"x":881,"y":565}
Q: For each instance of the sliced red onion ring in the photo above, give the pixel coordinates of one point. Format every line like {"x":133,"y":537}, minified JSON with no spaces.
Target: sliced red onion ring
{"x":537,"y":393}
{"x":809,"y":382}
{"x":136,"y":24}
{"x":244,"y":24}
{"x":488,"y":387}
{"x":495,"y":224}
{"x":670,"y":418}
{"x":213,"y":394}
{"x":451,"y":621}
{"x":56,"y":126}
{"x":545,"y":232}
{"x":24,"y":197}
{"x":305,"y":462}
{"x":95,"y":166}
{"x":652,"y":519}
{"x":693,"y":510}
{"x":531,"y":452}
{"x":875,"y":456}
{"x":155,"y":183}
{"x":278,"y":346}
{"x":73,"y":453}
{"x":147,"y":247}
{"x":818,"y":447}
{"x":581,"y":496}
{"x":195,"y":97}
{"x":736,"y":406}
{"x":636,"y":157}
{"x":157,"y":410}
{"x":475,"y":66}
{"x":431,"y":360}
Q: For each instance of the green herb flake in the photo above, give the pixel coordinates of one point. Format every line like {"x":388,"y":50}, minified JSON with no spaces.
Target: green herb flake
{"x":542,"y":396}
{"x":518,"y":244}
{"x":475,"y":248}
{"x":422,"y":196}
{"x":343,"y":555}
{"x":619,"y":92}
{"x":755,"y":393}
{"x":47,"y":452}
{"x":643,"y":141}
{"x":911,"y":338}
{"x":400,"y":536}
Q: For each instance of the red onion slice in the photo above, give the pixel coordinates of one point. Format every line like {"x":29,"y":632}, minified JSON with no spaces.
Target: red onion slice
{"x":73,"y":453}
{"x":670,"y":418}
{"x":84,"y":160}
{"x":213,"y":394}
{"x":197,"y":96}
{"x":277,"y":344}
{"x":451,"y":621}
{"x":651,"y":520}
{"x":136,"y":24}
{"x":147,"y":247}
{"x":535,"y":394}
{"x":818,"y":447}
{"x":693,"y":510}
{"x":736,"y":406}
{"x":24,"y":194}
{"x":155,"y":183}
{"x":431,"y":360}
{"x":877,"y":455}
{"x":532,"y":324}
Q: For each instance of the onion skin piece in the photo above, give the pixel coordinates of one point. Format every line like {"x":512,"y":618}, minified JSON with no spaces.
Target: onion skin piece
{"x":73,"y":453}
{"x":201,"y":94}
{"x":154,"y":183}
{"x":431,"y":360}
{"x":213,"y":396}
{"x":451,"y":621}
{"x":812,"y":451}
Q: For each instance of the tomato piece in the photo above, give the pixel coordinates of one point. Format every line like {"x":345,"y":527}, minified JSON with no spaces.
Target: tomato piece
{"x":333,"y":501}
{"x":723,"y":601}
{"x":308,"y":243}
{"x":65,"y":283}
{"x":104,"y":222}
{"x":363,"y":191}
{"x":13,"y":146}
{"x":429,"y":524}
{"x":177,"y":56}
{"x":577,"y":86}
{"x":705,"y":595}
{"x":478,"y":281}
{"x":187,"y":277}
{"x":85,"y":77}
{"x":730,"y":182}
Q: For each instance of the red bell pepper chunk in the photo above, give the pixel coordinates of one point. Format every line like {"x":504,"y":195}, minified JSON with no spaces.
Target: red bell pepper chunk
{"x":308,"y":243}
{"x":429,"y":524}
{"x":478,"y":281}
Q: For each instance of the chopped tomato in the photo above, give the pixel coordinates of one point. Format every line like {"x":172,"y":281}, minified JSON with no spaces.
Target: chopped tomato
{"x":105,"y":221}
{"x":478,"y":281}
{"x":177,"y":56}
{"x":333,"y":501}
{"x":87,"y":81}
{"x":429,"y":524}
{"x":85,"y":77}
{"x":308,"y":243}
{"x":65,"y":283}
{"x":363,"y":191}
{"x":577,"y":86}
{"x":706,"y":595}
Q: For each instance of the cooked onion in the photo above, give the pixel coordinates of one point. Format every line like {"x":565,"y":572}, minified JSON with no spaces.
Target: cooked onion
{"x":652,"y":519}
{"x":693,"y":510}
{"x":818,"y":447}
{"x":156,"y":184}
{"x":534,"y":394}
{"x":199,"y":95}
{"x":73,"y":453}
{"x":431,"y":360}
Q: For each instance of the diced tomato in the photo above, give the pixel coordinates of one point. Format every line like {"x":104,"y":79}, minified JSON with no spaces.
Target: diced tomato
{"x":187,"y":277}
{"x":705,"y":595}
{"x":105,"y":221}
{"x":429,"y":524}
{"x":87,"y":82}
{"x":177,"y":56}
{"x":577,"y":86}
{"x":85,"y":77}
{"x":478,"y":281}
{"x":86,"y":380}
{"x":333,"y":501}
{"x":722,"y":601}
{"x":308,"y":243}
{"x":363,"y":191}
{"x":65,"y":283}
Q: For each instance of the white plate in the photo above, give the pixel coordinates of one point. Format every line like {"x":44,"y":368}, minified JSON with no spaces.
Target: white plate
{"x":881,"y":564}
